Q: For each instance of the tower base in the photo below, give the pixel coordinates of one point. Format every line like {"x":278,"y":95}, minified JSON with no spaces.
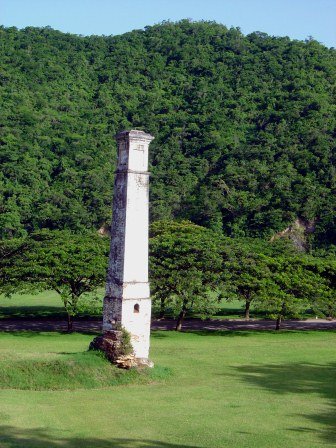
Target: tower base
{"x":112,"y":345}
{"x":144,"y":362}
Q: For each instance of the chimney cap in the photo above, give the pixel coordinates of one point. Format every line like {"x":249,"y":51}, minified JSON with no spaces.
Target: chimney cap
{"x":134,"y":134}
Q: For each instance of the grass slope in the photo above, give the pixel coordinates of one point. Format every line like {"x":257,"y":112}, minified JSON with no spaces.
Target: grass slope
{"x":227,"y":390}
{"x":71,"y":371}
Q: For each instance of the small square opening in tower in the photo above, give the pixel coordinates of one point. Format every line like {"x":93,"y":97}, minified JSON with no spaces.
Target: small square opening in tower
{"x":136,"y":308}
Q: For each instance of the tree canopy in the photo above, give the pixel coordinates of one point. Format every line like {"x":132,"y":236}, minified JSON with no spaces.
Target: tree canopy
{"x":244,"y":127}
{"x":73,"y":265}
{"x":185,"y":268}
{"x":193,"y":269}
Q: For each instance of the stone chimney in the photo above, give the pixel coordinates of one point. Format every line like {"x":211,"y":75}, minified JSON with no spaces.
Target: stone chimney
{"x":127,"y":301}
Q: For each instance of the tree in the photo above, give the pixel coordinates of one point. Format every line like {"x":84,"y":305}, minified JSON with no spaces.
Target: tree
{"x":292,"y":289}
{"x":248,"y":275}
{"x":185,"y":268}
{"x":277,"y":279}
{"x":325,"y":267}
{"x":71,"y":264}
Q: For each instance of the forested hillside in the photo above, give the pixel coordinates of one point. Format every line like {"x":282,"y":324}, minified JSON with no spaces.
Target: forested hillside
{"x":244,"y":127}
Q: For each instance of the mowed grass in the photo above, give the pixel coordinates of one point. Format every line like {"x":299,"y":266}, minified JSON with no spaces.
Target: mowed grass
{"x":44,"y":304}
{"x":69,"y":371}
{"x":49,"y":304}
{"x":239,"y":389}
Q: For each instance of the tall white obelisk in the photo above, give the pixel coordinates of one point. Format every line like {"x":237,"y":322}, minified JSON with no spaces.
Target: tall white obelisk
{"x":127,"y":301}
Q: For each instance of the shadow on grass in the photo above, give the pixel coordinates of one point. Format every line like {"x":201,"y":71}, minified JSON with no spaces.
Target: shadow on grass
{"x":255,"y":313}
{"x":91,"y":325}
{"x":231,"y":333}
{"x":227,"y":333}
{"x":239,"y":313}
{"x":245,"y":333}
{"x":46,"y":333}
{"x":159,"y":334}
{"x":28,"y":333}
{"x":300,"y":378}
{"x":11,"y":437}
{"x":32,"y":311}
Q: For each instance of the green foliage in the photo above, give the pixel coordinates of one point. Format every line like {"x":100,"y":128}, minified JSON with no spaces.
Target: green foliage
{"x":193,"y":268}
{"x":185,"y":268}
{"x":276,"y":279}
{"x":126,"y":344}
{"x":126,"y":347}
{"x":292,"y":289}
{"x":73,"y":265}
{"x":247,"y":277}
{"x":325,"y":269}
{"x":244,"y":127}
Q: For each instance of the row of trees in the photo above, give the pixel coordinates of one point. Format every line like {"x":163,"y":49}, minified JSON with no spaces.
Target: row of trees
{"x":192,"y":269}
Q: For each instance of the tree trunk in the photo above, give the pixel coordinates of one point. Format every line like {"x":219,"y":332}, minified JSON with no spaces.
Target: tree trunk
{"x":247,"y":309}
{"x":162,"y":308}
{"x":69,"y":323}
{"x":331,"y":314}
{"x":280,"y":316}
{"x":180,"y":320}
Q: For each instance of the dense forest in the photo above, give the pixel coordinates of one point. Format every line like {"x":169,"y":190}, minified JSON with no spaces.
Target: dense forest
{"x":244,"y":127}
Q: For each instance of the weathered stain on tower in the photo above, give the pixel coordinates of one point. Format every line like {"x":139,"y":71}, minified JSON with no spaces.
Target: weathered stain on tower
{"x":127,"y":301}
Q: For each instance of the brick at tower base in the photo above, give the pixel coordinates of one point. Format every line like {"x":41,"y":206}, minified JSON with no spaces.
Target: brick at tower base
{"x":127,"y":300}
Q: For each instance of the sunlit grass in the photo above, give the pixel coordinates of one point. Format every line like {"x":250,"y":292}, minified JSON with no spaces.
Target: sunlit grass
{"x":49,"y":304}
{"x":83,"y":370}
{"x":227,"y":389}
{"x":44,"y":304}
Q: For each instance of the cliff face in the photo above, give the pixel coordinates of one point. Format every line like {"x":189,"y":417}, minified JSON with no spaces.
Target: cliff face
{"x":298,"y":233}
{"x":244,"y":127}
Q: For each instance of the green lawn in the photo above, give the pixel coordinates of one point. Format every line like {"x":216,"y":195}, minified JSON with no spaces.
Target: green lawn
{"x":239,"y":389}
{"x":49,"y":304}
{"x":44,"y":304}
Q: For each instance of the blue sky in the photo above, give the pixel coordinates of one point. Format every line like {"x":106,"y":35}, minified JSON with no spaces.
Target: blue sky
{"x":297,"y":19}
